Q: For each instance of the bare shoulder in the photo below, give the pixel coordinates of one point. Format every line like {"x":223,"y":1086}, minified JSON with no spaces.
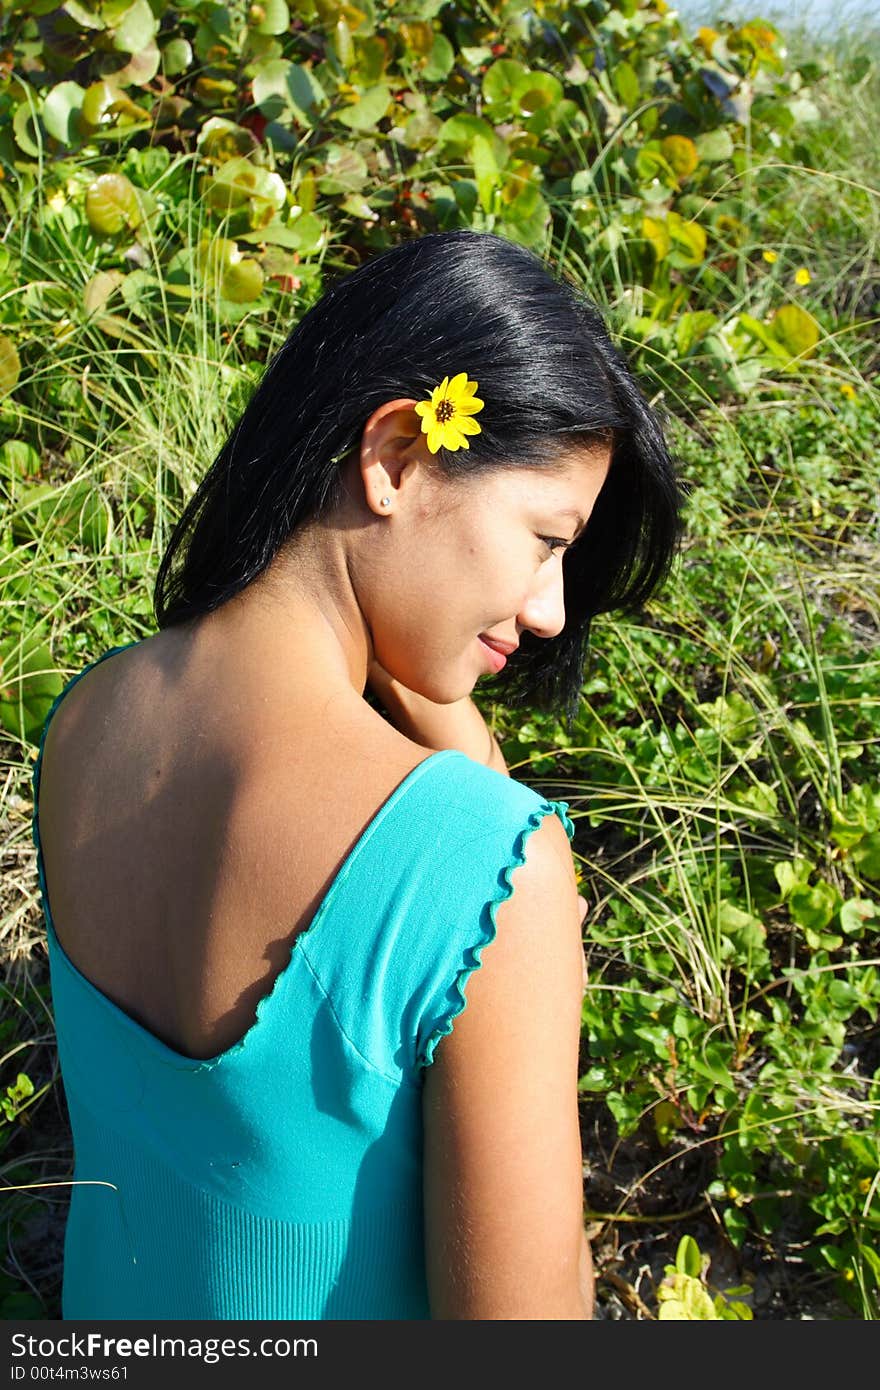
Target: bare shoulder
{"x":503,"y":1164}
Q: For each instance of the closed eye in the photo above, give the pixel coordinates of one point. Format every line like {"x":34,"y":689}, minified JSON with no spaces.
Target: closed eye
{"x":555,"y":542}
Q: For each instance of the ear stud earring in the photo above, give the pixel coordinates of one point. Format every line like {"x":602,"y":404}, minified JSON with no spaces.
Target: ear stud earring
{"x":386,"y":502}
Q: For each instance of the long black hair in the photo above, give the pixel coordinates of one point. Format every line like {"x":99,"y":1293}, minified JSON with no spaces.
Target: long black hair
{"x":551,"y":379}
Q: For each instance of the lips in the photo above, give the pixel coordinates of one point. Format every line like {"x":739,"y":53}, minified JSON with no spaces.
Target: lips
{"x":497,"y":652}
{"x":505,"y":648}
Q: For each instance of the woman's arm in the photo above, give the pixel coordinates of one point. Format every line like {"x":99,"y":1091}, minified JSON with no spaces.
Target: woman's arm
{"x":503,"y":1168}
{"x":459,"y":725}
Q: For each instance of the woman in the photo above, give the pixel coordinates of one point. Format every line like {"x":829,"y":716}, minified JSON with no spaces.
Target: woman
{"x":277,"y":835}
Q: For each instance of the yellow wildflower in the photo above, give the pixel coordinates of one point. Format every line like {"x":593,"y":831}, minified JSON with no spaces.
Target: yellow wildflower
{"x":848,"y":391}
{"x":802,"y":276}
{"x":770,"y":257}
{"x":446,"y":417}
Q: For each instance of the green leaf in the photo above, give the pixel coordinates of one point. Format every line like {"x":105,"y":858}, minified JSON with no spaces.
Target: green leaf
{"x":682,"y":1298}
{"x":441,"y":60}
{"x":485,"y":171}
{"x":21,"y":1088}
{"x":655,"y":232}
{"x":357,"y":205}
{"x":270,"y":17}
{"x":10,"y":365}
{"x":275,"y":234}
{"x":688,"y":1259}
{"x":345,"y":171}
{"x":421,"y":130}
{"x":18,"y":459}
{"x":803,"y":110}
{"x":795,"y":329}
{"x":100,"y":288}
{"x":755,"y":329}
{"x":142,"y":66}
{"x":500,"y":81}
{"x":789,"y":875}
{"x":535,"y":92}
{"x":61,"y":112}
{"x":461,"y":130}
{"x":690,"y":237}
{"x":98,"y":96}
{"x":813,"y":908}
{"x":242,"y":281}
{"x":758,"y":796}
{"x":714,"y":1062}
{"x":736,"y":1224}
{"x":692,"y":327}
{"x":27,"y":130}
{"x":136,"y":28}
{"x":84,"y":17}
{"x":368,"y":110}
{"x":309,"y":231}
{"x":854,"y":913}
{"x":219,"y":140}
{"x":282,"y":89}
{"x":680,"y":153}
{"x":714,"y":146}
{"x":626,"y":84}
{"x":29,"y":685}
{"x":240,"y":184}
{"x":176,"y":57}
{"x":866,"y":855}
{"x":475,"y":55}
{"x":111,"y":204}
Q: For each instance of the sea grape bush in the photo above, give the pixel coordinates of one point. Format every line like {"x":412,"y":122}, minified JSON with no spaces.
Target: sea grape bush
{"x":315,"y":129}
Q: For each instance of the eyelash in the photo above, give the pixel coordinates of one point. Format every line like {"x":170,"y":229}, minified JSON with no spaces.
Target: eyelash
{"x":555,"y":542}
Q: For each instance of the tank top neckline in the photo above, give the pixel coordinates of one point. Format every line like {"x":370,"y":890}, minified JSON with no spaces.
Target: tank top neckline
{"x":163,"y":1051}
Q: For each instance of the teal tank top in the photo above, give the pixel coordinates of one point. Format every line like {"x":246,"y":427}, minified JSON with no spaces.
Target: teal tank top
{"x":282,"y":1178}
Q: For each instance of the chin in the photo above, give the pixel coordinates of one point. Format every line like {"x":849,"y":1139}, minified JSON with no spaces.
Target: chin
{"x":443,"y":695}
{"x":443,"y":692}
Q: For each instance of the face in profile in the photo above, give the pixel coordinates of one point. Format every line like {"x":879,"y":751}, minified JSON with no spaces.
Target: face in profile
{"x":480,"y":556}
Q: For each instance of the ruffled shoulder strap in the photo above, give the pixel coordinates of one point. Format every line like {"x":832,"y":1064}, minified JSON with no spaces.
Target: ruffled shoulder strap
{"x":447,"y":1003}
{"x":417,"y":908}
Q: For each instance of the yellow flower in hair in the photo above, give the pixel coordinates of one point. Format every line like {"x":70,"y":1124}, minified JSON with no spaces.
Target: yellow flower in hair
{"x":447,"y":416}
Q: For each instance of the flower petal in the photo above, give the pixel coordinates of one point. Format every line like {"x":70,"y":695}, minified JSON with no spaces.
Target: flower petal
{"x":469,"y":406}
{"x":457,"y":385}
{"x":470,"y":388}
{"x":423,"y":408}
{"x":453,"y":437}
{"x":466,"y":425}
{"x":435,"y":437}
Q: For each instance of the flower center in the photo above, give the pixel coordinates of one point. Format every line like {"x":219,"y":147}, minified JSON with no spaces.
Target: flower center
{"x":445,"y":411}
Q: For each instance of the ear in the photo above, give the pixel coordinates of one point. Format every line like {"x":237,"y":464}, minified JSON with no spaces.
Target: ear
{"x":392,"y":446}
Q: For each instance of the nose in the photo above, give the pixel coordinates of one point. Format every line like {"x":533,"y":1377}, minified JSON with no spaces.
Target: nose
{"x":543,"y":611}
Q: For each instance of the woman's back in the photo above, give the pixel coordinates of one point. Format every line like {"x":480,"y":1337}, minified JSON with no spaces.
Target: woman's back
{"x":191,"y":829}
